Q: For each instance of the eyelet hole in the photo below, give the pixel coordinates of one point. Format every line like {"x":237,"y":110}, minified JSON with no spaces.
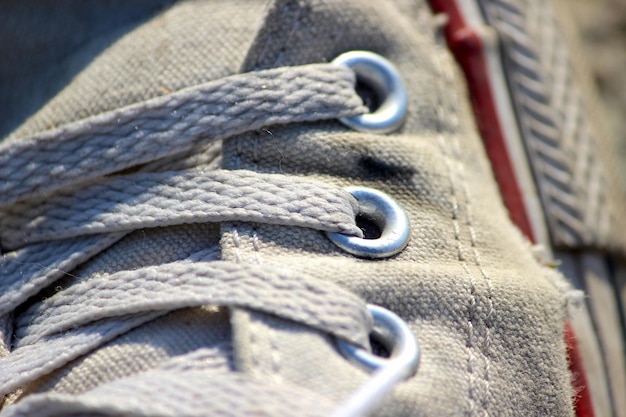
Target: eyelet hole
{"x":383,"y":91}
{"x":390,"y":339}
{"x":402,"y":362}
{"x":371,"y":230}
{"x":379,"y":348}
{"x":371,"y":98}
{"x":385,"y":225}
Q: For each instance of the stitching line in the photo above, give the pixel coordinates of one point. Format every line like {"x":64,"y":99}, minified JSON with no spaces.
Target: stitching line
{"x":255,"y":246}
{"x":235,"y":237}
{"x":275,"y":356}
{"x":254,"y":356}
{"x":469,"y":222}
{"x":473,"y":243}
{"x":441,"y":119}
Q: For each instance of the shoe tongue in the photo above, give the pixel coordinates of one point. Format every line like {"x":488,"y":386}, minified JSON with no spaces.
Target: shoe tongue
{"x":87,"y":61}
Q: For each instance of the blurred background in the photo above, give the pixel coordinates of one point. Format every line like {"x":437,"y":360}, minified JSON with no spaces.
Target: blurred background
{"x":603,"y":27}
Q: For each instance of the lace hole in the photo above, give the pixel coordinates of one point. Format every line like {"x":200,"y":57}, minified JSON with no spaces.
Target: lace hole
{"x":384,"y":216}
{"x":370,"y":229}
{"x":371,"y":98}
{"x":385,"y":92}
{"x":393,"y":336}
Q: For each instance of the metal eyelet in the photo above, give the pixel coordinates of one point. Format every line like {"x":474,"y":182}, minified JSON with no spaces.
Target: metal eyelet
{"x":383,"y":77}
{"x":387,"y":215}
{"x":395,"y":335}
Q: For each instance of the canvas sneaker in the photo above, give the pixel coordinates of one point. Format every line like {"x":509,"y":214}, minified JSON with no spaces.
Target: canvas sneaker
{"x":303,"y":208}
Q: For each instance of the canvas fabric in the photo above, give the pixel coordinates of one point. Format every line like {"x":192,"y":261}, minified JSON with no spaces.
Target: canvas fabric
{"x":488,"y":315}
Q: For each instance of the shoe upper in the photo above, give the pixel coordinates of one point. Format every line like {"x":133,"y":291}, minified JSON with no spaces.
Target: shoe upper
{"x":239,"y":315}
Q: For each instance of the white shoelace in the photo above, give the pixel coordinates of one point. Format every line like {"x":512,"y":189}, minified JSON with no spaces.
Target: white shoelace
{"x":62,"y":201}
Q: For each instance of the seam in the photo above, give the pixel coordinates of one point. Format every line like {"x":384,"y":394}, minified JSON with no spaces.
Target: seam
{"x":469,"y":222}
{"x":473,"y":242}
{"x":255,"y":246}
{"x":254,"y":350}
{"x":235,"y":237}
{"x":454,"y":199}
{"x":275,"y":356}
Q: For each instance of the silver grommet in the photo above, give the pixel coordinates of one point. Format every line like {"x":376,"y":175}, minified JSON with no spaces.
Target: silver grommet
{"x":393,"y":333}
{"x":384,"y":79}
{"x":387,"y":215}
{"x":397,"y":337}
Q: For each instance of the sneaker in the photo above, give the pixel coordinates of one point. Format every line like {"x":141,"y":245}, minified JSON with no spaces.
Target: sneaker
{"x":210,"y":208}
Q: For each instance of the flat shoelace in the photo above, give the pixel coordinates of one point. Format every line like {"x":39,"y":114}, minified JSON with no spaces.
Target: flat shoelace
{"x":60,"y":206}
{"x":154,"y":129}
{"x":164,"y":199}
